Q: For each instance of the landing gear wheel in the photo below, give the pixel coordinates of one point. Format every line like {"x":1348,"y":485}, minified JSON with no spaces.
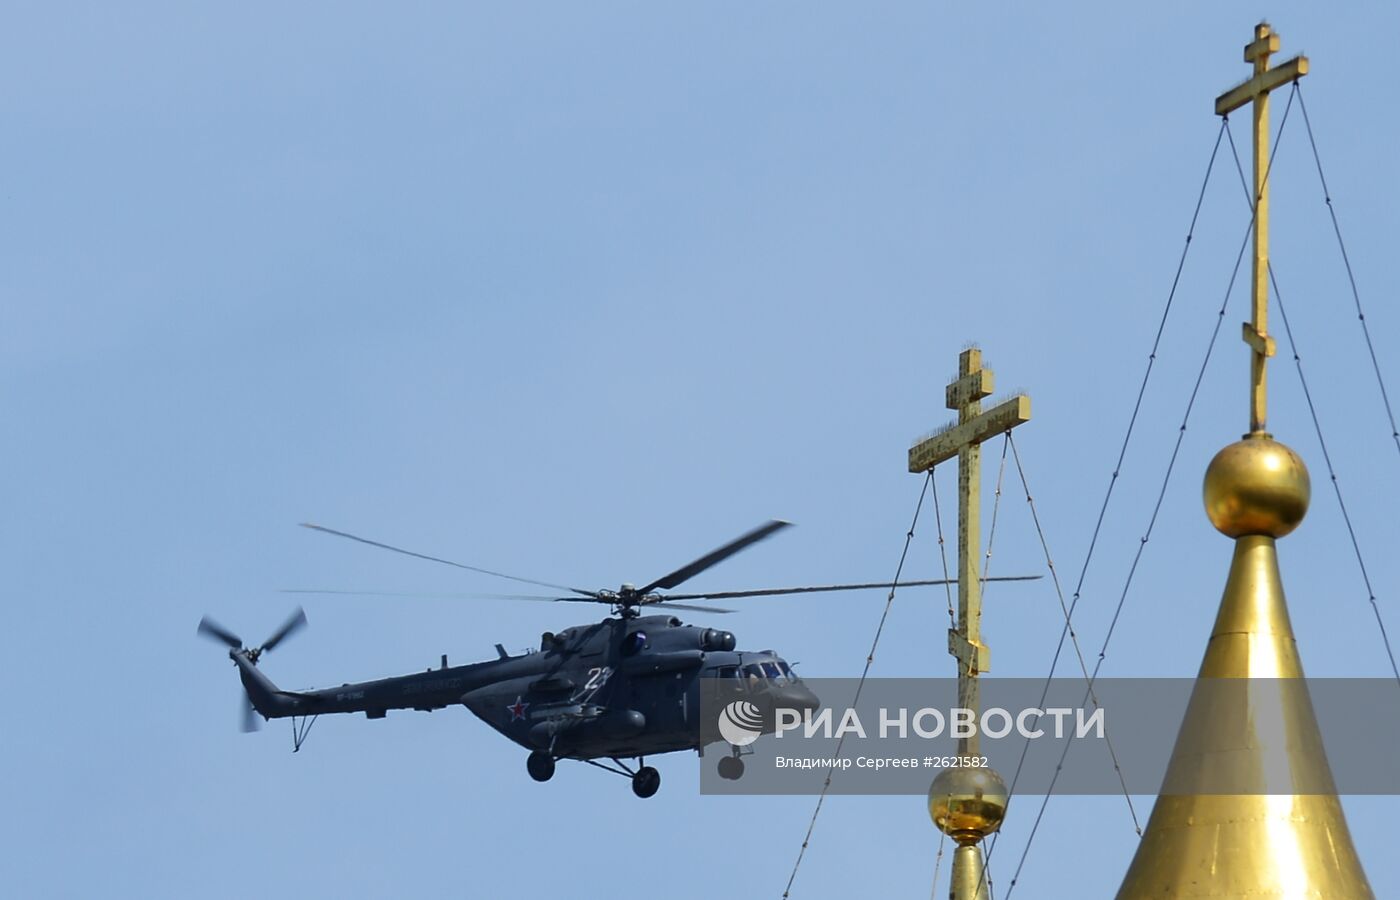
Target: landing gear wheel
{"x":646,"y":782}
{"x":541,"y":766}
{"x":731,"y":768}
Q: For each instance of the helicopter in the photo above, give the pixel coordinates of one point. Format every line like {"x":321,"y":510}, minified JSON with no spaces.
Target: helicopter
{"x":626,"y":687}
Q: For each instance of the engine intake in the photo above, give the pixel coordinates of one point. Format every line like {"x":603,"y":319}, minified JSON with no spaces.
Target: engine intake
{"x":714,"y":639}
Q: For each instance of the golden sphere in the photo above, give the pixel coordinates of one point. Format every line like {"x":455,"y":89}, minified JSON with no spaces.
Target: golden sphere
{"x":967,"y":804}
{"x":1257,"y":486}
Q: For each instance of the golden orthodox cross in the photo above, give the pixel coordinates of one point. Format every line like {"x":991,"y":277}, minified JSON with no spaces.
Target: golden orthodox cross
{"x":1256,"y":90}
{"x":964,"y":440}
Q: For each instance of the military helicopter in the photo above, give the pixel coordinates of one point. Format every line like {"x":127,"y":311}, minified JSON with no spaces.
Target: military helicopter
{"x":627,"y":687}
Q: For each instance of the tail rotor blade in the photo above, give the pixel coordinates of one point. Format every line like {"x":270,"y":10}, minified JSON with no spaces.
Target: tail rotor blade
{"x":251,"y":720}
{"x":296,"y":622}
{"x":211,"y":629}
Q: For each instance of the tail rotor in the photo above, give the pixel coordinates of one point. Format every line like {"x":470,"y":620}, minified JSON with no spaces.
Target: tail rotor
{"x":251,"y":721}
{"x":216,"y":632}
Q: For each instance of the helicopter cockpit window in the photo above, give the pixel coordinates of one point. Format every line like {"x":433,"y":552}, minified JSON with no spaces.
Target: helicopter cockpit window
{"x":772,"y":671}
{"x":753,"y":675}
{"x":787,"y":671}
{"x":727,"y":672}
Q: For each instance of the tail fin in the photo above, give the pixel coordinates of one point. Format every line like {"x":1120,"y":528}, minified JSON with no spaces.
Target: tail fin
{"x":265,"y":696}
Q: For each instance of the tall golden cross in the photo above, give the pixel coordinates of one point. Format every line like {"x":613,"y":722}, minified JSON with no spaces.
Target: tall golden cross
{"x":1256,"y":90}
{"x":964,"y":440}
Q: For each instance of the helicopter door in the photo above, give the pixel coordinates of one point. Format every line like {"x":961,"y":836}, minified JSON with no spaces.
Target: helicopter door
{"x":716,"y":688}
{"x":721,"y":685}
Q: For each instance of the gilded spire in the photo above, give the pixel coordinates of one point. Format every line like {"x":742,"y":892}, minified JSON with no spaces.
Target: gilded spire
{"x":1288,"y":836}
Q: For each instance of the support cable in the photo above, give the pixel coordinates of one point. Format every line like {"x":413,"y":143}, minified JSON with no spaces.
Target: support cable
{"x":1336,"y":485}
{"x":937,"y":864}
{"x":987,"y":879}
{"x":1067,"y":630}
{"x":1157,"y":507}
{"x":1351,"y":276}
{"x":943,"y":553}
{"x":1083,"y":666}
{"x":1089,"y":694}
{"x":952,"y":623}
{"x":1312,"y":408}
{"x":996,"y":506}
{"x":1142,"y":391}
{"x":860,"y":685}
{"x":1137,"y":558}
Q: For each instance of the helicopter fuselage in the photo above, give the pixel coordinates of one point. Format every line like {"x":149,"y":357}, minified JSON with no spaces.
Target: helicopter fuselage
{"x":624,"y":687}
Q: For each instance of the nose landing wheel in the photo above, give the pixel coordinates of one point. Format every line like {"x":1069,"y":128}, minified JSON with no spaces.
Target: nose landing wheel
{"x":540,"y":765}
{"x":731,"y":768}
{"x":646,"y":781}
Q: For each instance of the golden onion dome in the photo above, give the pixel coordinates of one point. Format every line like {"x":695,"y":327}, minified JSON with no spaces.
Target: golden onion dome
{"x":1257,"y":486}
{"x":967,"y":804}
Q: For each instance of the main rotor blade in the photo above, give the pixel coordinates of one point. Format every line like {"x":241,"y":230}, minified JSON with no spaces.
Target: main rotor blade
{"x":414,"y":595}
{"x":293,"y":624}
{"x":420,"y":595}
{"x":685,"y":573}
{"x":209,"y":628}
{"x":446,"y":562}
{"x":704,"y":609}
{"x":773,"y":592}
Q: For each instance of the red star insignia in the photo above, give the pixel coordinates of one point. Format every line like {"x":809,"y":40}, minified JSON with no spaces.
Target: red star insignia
{"x":517,"y":709}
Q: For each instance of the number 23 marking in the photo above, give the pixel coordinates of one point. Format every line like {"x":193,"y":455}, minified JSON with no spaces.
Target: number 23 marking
{"x":597,"y":677}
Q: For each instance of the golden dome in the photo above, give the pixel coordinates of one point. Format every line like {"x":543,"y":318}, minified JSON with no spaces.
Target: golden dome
{"x":967,"y":804}
{"x":1257,"y":486}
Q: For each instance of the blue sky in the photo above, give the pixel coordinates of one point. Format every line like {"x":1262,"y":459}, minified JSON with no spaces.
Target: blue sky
{"x":581,"y":291}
